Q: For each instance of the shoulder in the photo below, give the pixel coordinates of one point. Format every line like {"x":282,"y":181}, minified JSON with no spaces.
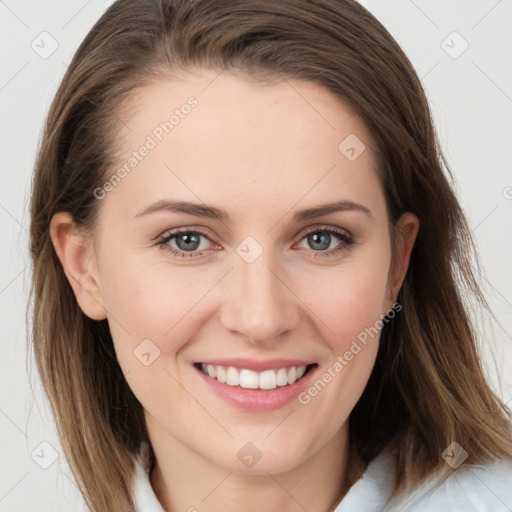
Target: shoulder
{"x":468,"y":488}
{"x":485,"y":488}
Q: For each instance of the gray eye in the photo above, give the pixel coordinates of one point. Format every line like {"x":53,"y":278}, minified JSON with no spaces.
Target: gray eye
{"x":319,"y":240}
{"x":188,"y":241}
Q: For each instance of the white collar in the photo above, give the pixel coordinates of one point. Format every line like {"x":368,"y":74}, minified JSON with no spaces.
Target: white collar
{"x":487,"y":487}
{"x":369,"y":494}
{"x":143,"y":495}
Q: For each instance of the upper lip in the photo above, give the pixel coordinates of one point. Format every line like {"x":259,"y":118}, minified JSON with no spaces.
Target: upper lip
{"x":255,"y":365}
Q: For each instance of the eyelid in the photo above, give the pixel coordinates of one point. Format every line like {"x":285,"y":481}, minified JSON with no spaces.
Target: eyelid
{"x":325,"y":227}
{"x":187,"y":229}
{"x":208,"y":233}
{"x":170,"y":234}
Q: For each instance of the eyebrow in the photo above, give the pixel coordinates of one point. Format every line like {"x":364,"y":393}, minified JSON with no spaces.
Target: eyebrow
{"x":202,"y":210}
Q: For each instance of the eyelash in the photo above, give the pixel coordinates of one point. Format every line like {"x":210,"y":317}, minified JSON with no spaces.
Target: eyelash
{"x":346,"y":240}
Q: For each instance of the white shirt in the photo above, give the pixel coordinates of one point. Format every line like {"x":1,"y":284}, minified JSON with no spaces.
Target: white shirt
{"x":486,"y":488}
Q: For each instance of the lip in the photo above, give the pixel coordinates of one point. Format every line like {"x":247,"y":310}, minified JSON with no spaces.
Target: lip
{"x":255,"y":365}
{"x":256,"y":400}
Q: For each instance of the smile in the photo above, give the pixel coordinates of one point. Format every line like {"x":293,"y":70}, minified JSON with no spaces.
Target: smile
{"x":249,"y":379}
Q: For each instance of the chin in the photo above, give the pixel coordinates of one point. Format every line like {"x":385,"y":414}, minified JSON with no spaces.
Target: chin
{"x":261,"y":457}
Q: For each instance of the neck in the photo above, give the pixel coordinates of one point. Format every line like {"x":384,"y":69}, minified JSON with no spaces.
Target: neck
{"x":184,"y":480}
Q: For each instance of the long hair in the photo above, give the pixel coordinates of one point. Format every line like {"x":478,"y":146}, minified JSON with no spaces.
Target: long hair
{"x":427,"y":388}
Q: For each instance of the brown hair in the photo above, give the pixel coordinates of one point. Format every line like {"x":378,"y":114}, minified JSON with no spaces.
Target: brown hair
{"x":427,"y":388}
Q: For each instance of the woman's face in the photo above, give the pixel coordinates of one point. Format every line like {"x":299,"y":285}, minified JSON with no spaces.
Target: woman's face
{"x":271,"y":285}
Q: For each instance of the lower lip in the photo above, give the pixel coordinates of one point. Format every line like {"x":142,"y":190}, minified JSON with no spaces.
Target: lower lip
{"x":259,"y":400}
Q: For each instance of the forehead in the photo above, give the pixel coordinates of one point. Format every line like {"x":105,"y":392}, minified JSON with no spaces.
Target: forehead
{"x":209,"y":132}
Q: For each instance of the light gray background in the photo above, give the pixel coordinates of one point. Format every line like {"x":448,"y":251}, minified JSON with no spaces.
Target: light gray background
{"x":471,"y":99}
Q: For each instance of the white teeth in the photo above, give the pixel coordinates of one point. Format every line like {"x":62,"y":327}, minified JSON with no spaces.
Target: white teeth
{"x":221,"y":374}
{"x":267,"y":380}
{"x":292,"y":375}
{"x":282,"y":377}
{"x":233,"y":377}
{"x":249,"y":379}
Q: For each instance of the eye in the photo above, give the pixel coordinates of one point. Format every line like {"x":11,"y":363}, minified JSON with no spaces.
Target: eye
{"x":320,"y":239}
{"x":187,"y":242}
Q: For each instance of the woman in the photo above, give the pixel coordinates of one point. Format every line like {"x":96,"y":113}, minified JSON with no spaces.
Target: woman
{"x":261,"y":270}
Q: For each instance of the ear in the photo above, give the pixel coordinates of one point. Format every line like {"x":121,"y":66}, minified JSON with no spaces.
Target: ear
{"x":76,"y":254}
{"x":406,"y":230}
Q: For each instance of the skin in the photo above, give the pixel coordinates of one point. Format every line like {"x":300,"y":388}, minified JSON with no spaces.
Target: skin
{"x":261,"y":153}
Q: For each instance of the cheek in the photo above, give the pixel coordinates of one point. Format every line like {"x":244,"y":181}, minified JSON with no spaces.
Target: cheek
{"x":348,"y":299}
{"x":155,"y":303}
{"x":163,"y":304}
{"x":350,"y":306}
{"x":150,"y":321}
{"x":169,"y":306}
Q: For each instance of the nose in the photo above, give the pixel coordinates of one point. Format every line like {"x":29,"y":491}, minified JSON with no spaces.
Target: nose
{"x":258,"y":302}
